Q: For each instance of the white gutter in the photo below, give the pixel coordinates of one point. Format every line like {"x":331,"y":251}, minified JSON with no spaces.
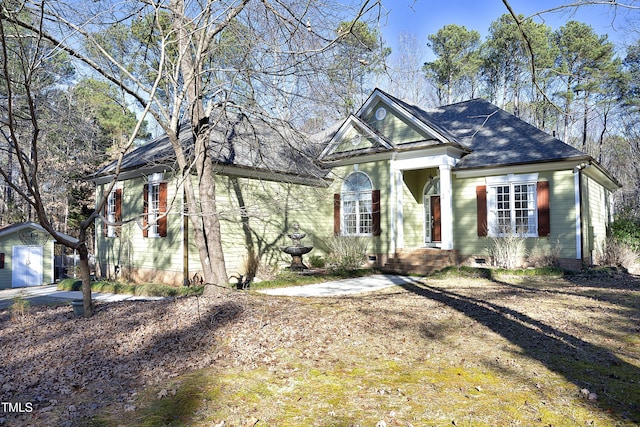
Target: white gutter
{"x":577,"y":183}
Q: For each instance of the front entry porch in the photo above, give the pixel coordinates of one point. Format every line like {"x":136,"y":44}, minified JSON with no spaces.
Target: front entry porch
{"x":421,"y":205}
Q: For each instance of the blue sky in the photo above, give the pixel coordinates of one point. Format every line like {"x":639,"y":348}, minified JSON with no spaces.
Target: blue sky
{"x":424,"y":17}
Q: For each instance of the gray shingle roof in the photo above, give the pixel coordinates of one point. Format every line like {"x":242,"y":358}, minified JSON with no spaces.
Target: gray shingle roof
{"x":255,"y":144}
{"x":494,"y":136}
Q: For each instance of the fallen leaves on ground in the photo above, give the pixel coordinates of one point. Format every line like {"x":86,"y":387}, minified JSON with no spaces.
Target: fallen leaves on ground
{"x":72,"y":369}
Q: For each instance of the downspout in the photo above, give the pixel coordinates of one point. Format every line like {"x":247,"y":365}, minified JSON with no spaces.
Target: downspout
{"x":577,"y":184}
{"x":578,"y":206}
{"x":185,"y":238}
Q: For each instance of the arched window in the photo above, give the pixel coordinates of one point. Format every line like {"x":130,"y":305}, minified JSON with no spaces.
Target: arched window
{"x":357,"y":205}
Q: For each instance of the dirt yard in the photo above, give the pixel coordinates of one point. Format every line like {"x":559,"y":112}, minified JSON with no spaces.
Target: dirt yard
{"x":463,"y":351}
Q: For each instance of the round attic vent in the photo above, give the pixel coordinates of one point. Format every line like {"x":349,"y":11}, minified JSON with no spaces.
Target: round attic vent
{"x":381,"y":113}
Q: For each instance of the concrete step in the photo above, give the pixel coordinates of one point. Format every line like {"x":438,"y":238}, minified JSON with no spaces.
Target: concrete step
{"x":420,"y":261}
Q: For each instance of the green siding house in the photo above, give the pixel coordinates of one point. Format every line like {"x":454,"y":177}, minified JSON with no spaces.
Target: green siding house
{"x":421,"y":184}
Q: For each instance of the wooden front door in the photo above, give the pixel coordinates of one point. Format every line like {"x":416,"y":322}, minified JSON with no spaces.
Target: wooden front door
{"x":436,"y":231}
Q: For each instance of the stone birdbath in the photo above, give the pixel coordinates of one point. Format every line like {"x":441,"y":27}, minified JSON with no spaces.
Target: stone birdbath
{"x":296,"y":250}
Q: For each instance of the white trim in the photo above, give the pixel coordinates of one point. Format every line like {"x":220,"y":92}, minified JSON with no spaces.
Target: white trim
{"x":400,"y":208}
{"x":392,"y":198}
{"x":597,"y":173}
{"x":446,"y":207}
{"x":350,"y":160}
{"x":518,"y":169}
{"x":426,"y":226}
{"x":512,"y":179}
{"x":426,"y":206}
{"x":578,"y":208}
{"x":111,"y":216}
{"x":343,"y":199}
{"x":359,"y":126}
{"x":153,"y":214}
{"x":228,"y":170}
{"x":424,"y":162}
{"x":131,"y":174}
{"x":155,"y":178}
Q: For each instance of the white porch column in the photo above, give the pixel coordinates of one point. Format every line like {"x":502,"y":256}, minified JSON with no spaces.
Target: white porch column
{"x":393,"y":214}
{"x":446,"y":206}
{"x":400,"y":210}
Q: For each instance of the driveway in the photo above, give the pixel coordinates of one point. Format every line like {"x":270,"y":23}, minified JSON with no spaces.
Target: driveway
{"x":343,"y":287}
{"x":50,"y":295}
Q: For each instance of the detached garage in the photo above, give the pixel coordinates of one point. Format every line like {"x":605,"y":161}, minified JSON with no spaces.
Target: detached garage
{"x":26,"y":256}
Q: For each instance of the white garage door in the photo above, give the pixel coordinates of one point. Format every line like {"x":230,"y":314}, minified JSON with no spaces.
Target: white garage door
{"x":26,"y":266}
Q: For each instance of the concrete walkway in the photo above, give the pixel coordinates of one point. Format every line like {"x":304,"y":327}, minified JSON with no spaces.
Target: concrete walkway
{"x":342,"y":287}
{"x":50,"y":295}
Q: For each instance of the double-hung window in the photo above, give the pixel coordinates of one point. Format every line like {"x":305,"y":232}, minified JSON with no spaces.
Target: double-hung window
{"x":357,"y":205}
{"x":512,"y":205}
{"x":113,"y":211}
{"x":111,"y":214}
{"x":155,"y":207}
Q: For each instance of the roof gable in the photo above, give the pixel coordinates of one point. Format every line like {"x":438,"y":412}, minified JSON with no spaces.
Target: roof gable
{"x":382,"y":124}
{"x":352,"y":138}
{"x":406,"y":113}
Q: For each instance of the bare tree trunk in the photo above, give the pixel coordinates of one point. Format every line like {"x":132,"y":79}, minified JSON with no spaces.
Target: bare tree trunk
{"x":605,"y":117}
{"x":585,"y":121}
{"x":85,"y":275}
{"x":212,"y":235}
{"x":566,"y":113}
{"x":207,"y":226}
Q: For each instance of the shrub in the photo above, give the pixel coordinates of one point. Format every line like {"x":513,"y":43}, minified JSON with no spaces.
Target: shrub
{"x":545,"y":257}
{"x":617,"y":253}
{"x":508,"y":250}
{"x":347,"y":252}
{"x":316,"y":261}
{"x":19,"y":308}
{"x":626,"y":229}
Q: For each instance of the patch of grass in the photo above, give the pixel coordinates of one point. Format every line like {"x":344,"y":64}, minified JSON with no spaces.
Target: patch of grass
{"x":176,"y":403}
{"x":400,"y":392}
{"x":70,"y":284}
{"x":462,"y":272}
{"x":145,"y":289}
{"x":489,"y":273}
